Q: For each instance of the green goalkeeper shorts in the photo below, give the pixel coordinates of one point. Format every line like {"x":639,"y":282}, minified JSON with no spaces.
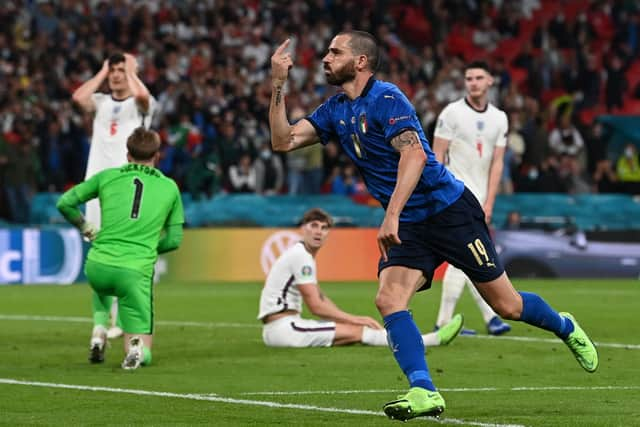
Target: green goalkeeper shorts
{"x":134,"y":290}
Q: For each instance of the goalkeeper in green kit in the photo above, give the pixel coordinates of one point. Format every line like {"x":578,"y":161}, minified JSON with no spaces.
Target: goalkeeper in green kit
{"x":142,"y":217}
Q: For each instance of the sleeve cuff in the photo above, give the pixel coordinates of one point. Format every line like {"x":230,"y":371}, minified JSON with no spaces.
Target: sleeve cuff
{"x":317,"y":128}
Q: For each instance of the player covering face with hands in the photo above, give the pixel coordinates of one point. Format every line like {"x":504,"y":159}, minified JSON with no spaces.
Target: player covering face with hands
{"x":430,"y":217}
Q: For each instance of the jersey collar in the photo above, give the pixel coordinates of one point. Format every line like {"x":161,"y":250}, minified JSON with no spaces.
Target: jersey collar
{"x":119,"y":100}
{"x":368,"y":87}
{"x":344,"y":98}
{"x":466,"y":101}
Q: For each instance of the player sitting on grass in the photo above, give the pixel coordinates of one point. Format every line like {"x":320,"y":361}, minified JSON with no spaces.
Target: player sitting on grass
{"x":292,"y":280}
{"x":142,"y":216}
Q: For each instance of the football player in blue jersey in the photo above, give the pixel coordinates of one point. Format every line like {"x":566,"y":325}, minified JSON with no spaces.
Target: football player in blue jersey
{"x":430,"y":216}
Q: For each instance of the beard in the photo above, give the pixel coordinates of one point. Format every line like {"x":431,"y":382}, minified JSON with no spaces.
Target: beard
{"x":342,"y":75}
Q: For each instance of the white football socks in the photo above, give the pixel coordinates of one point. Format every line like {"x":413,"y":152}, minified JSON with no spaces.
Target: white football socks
{"x":378,"y":337}
{"x":452,"y":286}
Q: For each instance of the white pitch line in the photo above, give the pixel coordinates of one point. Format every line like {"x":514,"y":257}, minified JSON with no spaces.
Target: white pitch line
{"x":448,"y":390}
{"x":72,"y":319}
{"x":220,"y":399}
{"x":257,"y":325}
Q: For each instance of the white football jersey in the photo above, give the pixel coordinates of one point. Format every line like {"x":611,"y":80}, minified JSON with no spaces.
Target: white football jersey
{"x":473,"y":135}
{"x":113,"y":122}
{"x":294,"y":267}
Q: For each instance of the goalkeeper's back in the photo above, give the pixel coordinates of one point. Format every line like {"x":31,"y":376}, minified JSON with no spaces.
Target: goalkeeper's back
{"x":137,"y":203}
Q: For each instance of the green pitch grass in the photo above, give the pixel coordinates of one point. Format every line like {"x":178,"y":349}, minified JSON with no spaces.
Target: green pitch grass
{"x":211,"y":368}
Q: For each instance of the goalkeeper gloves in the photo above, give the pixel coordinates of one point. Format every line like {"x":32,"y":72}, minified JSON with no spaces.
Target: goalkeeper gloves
{"x":89,"y":231}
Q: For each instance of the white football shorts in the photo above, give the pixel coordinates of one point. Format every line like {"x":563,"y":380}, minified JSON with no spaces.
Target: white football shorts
{"x":294,"y":331}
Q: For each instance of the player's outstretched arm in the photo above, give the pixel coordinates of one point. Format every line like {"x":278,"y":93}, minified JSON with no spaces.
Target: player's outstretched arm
{"x":321,"y":305}
{"x":410,"y":166}
{"x":284,"y":136}
{"x":82,"y":95}
{"x":138,"y":89}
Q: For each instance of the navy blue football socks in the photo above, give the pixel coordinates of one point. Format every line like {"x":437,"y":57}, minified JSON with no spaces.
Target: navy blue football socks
{"x":406,"y":344}
{"x":536,"y":312}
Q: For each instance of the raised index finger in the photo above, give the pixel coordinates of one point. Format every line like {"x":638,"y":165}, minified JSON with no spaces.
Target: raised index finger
{"x":283,"y":46}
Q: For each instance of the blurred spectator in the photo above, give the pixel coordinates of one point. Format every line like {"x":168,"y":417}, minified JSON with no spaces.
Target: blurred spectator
{"x":204,"y":175}
{"x":604,"y":178}
{"x":295,"y":169}
{"x":559,"y":31}
{"x":616,"y":83}
{"x":571,"y":173}
{"x":296,"y":160}
{"x":227,"y":145}
{"x":269,"y":172}
{"x":4,"y":205}
{"x":565,"y":139}
{"x":312,"y":172}
{"x":332,"y":160}
{"x":534,"y":133}
{"x":56,"y":151}
{"x":347,"y":182}
{"x":513,"y":153}
{"x":485,"y":36}
{"x":514,"y":220}
{"x":596,"y":145}
{"x":628,"y":169}
{"x":22,"y":175}
{"x":543,"y":178}
{"x":242,"y":176}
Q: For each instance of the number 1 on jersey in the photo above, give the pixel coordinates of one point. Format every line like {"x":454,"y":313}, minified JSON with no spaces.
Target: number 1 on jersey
{"x":137,"y":197}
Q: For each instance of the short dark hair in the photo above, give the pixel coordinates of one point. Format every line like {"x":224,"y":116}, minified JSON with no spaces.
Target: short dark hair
{"x":316,"y":214}
{"x":143,"y":144}
{"x":115,"y":58}
{"x":477,"y":64}
{"x":363,"y":43}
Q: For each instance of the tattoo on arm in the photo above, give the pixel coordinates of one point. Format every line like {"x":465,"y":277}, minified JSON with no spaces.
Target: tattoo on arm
{"x":406,"y":139}
{"x":321,"y":296}
{"x":278,"y":94}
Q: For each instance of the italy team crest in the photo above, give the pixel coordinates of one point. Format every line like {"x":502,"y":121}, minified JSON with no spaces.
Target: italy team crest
{"x":362,"y":120}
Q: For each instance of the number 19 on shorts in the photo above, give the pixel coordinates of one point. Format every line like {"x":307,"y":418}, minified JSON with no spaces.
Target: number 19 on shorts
{"x":479,"y":252}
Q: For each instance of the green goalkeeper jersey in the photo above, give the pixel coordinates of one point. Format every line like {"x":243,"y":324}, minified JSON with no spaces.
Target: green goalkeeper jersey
{"x":137,"y":202}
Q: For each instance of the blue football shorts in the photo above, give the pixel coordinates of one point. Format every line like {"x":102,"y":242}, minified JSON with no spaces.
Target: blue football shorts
{"x":458,"y":235}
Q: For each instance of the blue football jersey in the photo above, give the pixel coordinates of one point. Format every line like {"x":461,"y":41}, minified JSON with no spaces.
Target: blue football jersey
{"x":365,"y":126}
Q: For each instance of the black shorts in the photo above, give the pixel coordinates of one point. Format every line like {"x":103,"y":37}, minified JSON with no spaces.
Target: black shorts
{"x":458,"y":235}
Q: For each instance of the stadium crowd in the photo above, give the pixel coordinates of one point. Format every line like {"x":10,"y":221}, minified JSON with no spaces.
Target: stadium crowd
{"x":207,"y":64}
